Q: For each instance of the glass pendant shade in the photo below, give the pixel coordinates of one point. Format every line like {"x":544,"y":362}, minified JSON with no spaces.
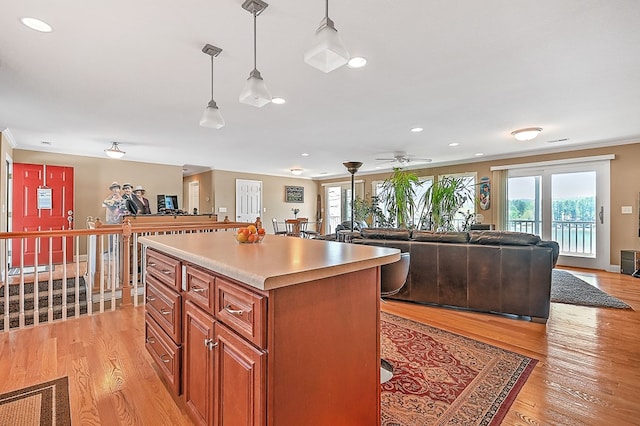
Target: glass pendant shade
{"x":327,"y":52}
{"x":212,"y":117}
{"x":114,"y":151}
{"x":255,"y":92}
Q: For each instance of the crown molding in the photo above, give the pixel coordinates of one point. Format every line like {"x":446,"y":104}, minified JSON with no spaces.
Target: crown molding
{"x":6,"y":133}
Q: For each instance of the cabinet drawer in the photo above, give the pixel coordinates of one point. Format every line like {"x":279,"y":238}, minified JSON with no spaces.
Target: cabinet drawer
{"x":164,"y":268}
{"x":199,"y":288}
{"x":165,"y":307}
{"x":164,"y":352}
{"x":241,"y":310}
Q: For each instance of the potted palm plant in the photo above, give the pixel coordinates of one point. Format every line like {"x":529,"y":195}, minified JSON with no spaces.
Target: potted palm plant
{"x":442,"y":201}
{"x":398,"y":197}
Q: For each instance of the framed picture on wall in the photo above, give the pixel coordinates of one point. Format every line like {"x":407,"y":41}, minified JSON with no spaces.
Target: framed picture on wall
{"x":294,"y":194}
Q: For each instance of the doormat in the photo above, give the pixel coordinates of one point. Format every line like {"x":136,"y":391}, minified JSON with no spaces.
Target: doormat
{"x":45,"y":404}
{"x":31,"y":269}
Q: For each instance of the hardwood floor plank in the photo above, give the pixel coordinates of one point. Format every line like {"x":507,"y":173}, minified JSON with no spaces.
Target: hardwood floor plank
{"x":588,"y":371}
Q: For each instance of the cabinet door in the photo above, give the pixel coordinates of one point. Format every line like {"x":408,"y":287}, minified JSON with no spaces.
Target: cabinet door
{"x":240,"y":380}
{"x":198,"y":363}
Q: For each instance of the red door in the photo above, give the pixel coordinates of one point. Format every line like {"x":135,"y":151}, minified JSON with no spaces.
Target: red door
{"x":35,"y":208}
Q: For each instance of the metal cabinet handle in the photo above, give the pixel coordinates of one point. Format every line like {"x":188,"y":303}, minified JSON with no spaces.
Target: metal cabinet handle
{"x":197,"y":289}
{"x":151,"y":340}
{"x":210,"y":344}
{"x":151,"y":264}
{"x":233,"y":311}
{"x":150,"y":299}
{"x":167,"y":271}
{"x":165,"y":311}
{"x":165,"y":358}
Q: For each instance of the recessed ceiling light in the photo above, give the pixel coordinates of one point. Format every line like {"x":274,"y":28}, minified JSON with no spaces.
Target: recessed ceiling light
{"x":416,"y":129}
{"x":278,"y":101}
{"x":479,"y":154}
{"x":454,"y":144}
{"x":305,"y":154}
{"x":37,"y":25}
{"x":357,"y":62}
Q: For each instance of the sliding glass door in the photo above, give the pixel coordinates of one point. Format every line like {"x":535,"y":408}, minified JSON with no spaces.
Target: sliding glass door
{"x":565,"y":203}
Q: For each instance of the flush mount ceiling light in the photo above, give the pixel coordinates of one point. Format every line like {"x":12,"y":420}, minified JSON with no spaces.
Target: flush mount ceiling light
{"x":526,"y":134}
{"x":416,"y":129}
{"x":255,"y":92}
{"x":296,"y":172}
{"x":211,"y":116}
{"x":37,"y":25}
{"x":114,"y":151}
{"x":327,"y":51}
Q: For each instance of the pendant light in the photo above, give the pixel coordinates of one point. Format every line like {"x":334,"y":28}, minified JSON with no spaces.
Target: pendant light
{"x":255,"y":92}
{"x":327,"y":52}
{"x":114,"y":151}
{"x":212,"y":117}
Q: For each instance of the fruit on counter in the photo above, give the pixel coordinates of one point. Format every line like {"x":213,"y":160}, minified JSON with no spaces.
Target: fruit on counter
{"x":252,"y":229}
{"x":261,"y":231}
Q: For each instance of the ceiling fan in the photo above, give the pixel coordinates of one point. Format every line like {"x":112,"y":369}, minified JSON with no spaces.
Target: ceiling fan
{"x":403,"y":158}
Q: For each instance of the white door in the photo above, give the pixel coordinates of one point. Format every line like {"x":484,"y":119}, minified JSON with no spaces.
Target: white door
{"x":248,"y":200}
{"x":568,"y":204}
{"x":194,"y":197}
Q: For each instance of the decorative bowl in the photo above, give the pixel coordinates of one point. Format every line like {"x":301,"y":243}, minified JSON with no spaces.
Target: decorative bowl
{"x":248,"y":239}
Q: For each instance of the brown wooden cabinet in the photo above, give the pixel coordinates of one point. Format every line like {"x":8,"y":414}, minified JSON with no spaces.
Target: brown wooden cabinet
{"x":163,"y":319}
{"x":297,"y":354}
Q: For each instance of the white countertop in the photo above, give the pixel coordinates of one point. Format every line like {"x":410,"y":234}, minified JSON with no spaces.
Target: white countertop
{"x":275,"y":262}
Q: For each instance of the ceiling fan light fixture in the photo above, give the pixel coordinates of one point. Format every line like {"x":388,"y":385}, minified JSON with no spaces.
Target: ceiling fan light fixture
{"x":327,"y":52}
{"x":255,"y":92}
{"x":527,"y":134}
{"x":211,"y":116}
{"x":114,"y":151}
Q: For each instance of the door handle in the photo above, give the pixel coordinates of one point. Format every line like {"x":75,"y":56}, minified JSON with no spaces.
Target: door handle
{"x":601,"y":215}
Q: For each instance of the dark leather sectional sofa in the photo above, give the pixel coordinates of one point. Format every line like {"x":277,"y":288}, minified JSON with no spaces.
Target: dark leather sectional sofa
{"x":487,"y":271}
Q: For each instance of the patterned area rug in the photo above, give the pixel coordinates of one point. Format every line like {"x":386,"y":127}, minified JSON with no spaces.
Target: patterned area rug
{"x":46,"y":404}
{"x":567,"y":288}
{"x":442,"y":378}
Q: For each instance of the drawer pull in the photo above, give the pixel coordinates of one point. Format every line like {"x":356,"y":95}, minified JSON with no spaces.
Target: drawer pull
{"x":233,"y":311}
{"x":151,"y":264}
{"x":210,"y":344}
{"x":165,"y":358}
{"x":165,"y":311}
{"x":150,"y":299}
{"x":151,"y":340}
{"x":167,"y":271}
{"x":197,"y":289}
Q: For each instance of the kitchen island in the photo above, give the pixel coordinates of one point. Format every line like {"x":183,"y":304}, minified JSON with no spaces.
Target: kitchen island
{"x":282,"y":332}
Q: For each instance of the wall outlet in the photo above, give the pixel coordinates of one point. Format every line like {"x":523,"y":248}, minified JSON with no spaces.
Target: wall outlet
{"x":222,"y":209}
{"x":627,"y":210}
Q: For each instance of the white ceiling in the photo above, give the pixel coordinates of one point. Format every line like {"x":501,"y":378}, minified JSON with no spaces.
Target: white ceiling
{"x":466,"y":71}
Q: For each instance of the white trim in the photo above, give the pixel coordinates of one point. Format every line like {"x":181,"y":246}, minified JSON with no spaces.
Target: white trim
{"x":12,"y":141}
{"x":555,"y":162}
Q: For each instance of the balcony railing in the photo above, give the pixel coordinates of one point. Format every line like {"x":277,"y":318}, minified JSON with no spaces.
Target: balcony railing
{"x":86,"y":271}
{"x":574,"y":237}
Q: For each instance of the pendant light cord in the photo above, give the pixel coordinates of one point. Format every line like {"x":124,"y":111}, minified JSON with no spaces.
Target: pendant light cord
{"x":211,"y":77}
{"x":254,"y":40}
{"x":326,"y":9}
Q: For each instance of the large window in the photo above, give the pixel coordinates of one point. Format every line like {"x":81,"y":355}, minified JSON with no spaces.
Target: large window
{"x":460,"y":219}
{"x":420,"y":190}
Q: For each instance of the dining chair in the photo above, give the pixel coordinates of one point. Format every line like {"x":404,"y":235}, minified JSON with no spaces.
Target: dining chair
{"x":293,"y":227}
{"x":314,"y":233}
{"x":303,"y":222}
{"x":276,"y":231}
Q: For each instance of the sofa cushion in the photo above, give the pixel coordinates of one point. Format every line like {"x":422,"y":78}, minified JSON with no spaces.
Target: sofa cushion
{"x":440,"y":237}
{"x":555,"y":249}
{"x":503,"y":238}
{"x":385,"y":234}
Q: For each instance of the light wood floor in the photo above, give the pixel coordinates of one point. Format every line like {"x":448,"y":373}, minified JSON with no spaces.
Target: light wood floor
{"x":588,"y":371}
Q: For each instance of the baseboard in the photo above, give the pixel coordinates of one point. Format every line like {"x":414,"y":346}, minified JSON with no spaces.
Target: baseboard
{"x":614,"y":268}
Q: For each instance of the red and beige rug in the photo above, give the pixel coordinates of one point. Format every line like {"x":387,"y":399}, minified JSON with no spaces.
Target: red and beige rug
{"x":442,"y":378}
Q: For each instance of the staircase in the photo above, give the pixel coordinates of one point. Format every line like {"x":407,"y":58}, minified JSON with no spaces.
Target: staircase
{"x":43,"y":301}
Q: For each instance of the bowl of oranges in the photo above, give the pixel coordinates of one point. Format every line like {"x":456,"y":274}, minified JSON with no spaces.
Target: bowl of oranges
{"x":250,"y":235}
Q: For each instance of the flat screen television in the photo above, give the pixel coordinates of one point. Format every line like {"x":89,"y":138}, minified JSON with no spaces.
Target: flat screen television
{"x":167,"y":202}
